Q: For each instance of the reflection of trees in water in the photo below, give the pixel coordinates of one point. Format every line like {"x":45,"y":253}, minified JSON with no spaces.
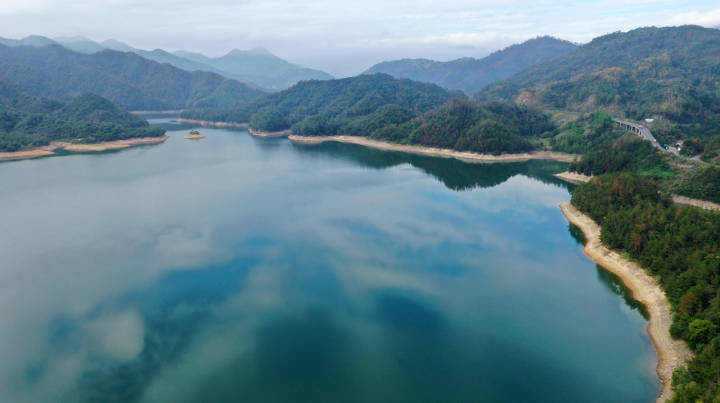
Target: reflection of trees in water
{"x":614,"y":284}
{"x":455,"y":174}
{"x":577,"y":234}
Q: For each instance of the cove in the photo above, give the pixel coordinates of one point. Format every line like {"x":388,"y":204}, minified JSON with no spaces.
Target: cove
{"x":245,"y":269}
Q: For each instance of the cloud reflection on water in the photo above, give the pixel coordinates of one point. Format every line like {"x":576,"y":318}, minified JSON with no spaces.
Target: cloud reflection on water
{"x":190,"y":269}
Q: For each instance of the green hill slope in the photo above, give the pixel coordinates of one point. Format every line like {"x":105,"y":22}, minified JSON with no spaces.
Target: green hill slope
{"x":126,"y":79}
{"x":27,"y":121}
{"x":670,"y":74}
{"x":469,"y":74}
{"x":333,"y":102}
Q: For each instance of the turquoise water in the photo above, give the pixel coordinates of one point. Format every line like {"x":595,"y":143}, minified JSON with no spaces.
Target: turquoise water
{"x":242,"y":269}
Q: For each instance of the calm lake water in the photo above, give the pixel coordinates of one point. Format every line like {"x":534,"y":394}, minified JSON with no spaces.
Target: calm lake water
{"x":242,"y":269}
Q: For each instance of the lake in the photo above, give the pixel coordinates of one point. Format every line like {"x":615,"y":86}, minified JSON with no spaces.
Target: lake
{"x":243,"y":269}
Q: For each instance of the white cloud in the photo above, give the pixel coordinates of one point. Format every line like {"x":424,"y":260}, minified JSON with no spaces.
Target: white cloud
{"x":710,"y":18}
{"x":118,"y":336}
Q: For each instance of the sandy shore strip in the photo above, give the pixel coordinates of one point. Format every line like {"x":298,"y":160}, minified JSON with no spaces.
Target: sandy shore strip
{"x":435,"y":152}
{"x":259,"y":133}
{"x":108,"y":145}
{"x":212,"y":124}
{"x":573,"y":177}
{"x":671,"y":353}
{"x":80,"y":148}
{"x":28,"y":154}
{"x":171,"y":112}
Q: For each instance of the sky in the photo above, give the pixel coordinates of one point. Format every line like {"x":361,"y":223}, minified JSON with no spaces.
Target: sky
{"x":344,"y":37}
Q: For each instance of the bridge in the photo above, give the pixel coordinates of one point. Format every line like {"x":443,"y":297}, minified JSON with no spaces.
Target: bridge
{"x":644,"y":133}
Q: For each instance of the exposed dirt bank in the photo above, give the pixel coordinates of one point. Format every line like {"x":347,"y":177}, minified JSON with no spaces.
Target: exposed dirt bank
{"x":213,"y":124}
{"x":81,"y":148}
{"x":259,"y":133}
{"x":436,"y":152}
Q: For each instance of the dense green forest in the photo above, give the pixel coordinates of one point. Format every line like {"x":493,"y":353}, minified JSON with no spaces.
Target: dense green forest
{"x":390,"y":109}
{"x":463,"y":125}
{"x":470,"y":74}
{"x":631,"y":154}
{"x":666,"y":73}
{"x":681,"y":247}
{"x":707,"y":149}
{"x":585,"y":133}
{"x":27,"y":121}
{"x":627,"y":153}
{"x":336,"y":102}
{"x":126,"y":79}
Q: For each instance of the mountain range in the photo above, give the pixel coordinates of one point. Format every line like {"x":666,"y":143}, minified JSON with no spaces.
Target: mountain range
{"x":470,"y":74}
{"x":125,"y":78}
{"x":669,"y":74}
{"x":256,"y":67}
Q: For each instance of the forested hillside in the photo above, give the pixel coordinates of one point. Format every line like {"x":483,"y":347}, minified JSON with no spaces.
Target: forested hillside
{"x":462,"y":125}
{"x":681,"y":247}
{"x":470,"y":74}
{"x":126,"y":79}
{"x":27,"y":121}
{"x":331,"y":104}
{"x":669,"y":74}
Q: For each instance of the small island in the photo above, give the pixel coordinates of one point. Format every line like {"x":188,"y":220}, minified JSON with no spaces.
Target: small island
{"x":194,"y":135}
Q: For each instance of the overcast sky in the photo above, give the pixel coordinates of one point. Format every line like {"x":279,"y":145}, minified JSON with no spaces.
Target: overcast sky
{"x":343,"y":37}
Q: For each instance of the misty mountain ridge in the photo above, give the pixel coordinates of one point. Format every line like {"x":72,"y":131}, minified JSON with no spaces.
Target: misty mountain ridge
{"x":127,"y":79}
{"x":469,"y":74}
{"x":257,"y":66}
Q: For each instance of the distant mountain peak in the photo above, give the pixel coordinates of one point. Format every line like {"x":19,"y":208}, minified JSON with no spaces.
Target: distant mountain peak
{"x":72,"y":39}
{"x":117,"y":45}
{"x":254,"y":51}
{"x":261,"y":51}
{"x":470,"y":74}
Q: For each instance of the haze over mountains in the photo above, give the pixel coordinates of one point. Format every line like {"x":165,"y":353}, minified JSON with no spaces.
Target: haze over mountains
{"x":470,"y":74}
{"x":126,"y":79}
{"x":256,"y":67}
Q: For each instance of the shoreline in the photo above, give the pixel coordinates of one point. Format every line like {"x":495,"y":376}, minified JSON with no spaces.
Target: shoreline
{"x":50,"y":149}
{"x":573,"y":177}
{"x":466,"y":156}
{"x":211,"y":123}
{"x":258,"y":133}
{"x":671,"y":353}
{"x":167,"y":112}
{"x":578,"y":178}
